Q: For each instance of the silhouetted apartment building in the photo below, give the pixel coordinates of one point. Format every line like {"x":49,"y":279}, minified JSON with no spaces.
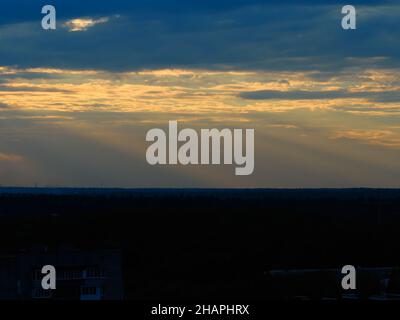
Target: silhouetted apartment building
{"x":94,"y":275}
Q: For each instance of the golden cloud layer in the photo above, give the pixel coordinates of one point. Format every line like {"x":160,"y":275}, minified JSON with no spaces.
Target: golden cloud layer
{"x":186,"y":91}
{"x":212,"y":96}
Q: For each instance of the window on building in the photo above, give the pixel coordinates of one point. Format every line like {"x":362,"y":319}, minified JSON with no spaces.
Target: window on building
{"x":94,"y":272}
{"x":89,"y":291}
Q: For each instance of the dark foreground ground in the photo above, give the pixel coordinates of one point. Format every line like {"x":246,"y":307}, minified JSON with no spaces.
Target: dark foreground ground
{"x":212,"y":243}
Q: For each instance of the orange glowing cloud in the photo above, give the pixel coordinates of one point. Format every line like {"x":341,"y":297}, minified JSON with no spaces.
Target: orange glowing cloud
{"x":83,"y":24}
{"x":9,"y":157}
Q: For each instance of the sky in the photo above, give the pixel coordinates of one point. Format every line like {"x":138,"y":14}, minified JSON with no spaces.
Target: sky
{"x":76,"y":102}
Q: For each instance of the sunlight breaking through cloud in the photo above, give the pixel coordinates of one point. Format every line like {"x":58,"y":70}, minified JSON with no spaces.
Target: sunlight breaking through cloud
{"x":83,"y":24}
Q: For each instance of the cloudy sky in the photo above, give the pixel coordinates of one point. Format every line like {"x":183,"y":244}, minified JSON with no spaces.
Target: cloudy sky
{"x":76,"y":102}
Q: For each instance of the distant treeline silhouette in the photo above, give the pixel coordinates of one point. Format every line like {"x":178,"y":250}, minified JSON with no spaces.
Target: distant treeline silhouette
{"x":196,"y":242}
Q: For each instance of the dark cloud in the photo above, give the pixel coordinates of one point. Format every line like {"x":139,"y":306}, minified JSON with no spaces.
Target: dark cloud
{"x":26,"y":10}
{"x":258,"y":35}
{"x":5,"y":78}
{"x":385,"y":97}
{"x":31,"y":89}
